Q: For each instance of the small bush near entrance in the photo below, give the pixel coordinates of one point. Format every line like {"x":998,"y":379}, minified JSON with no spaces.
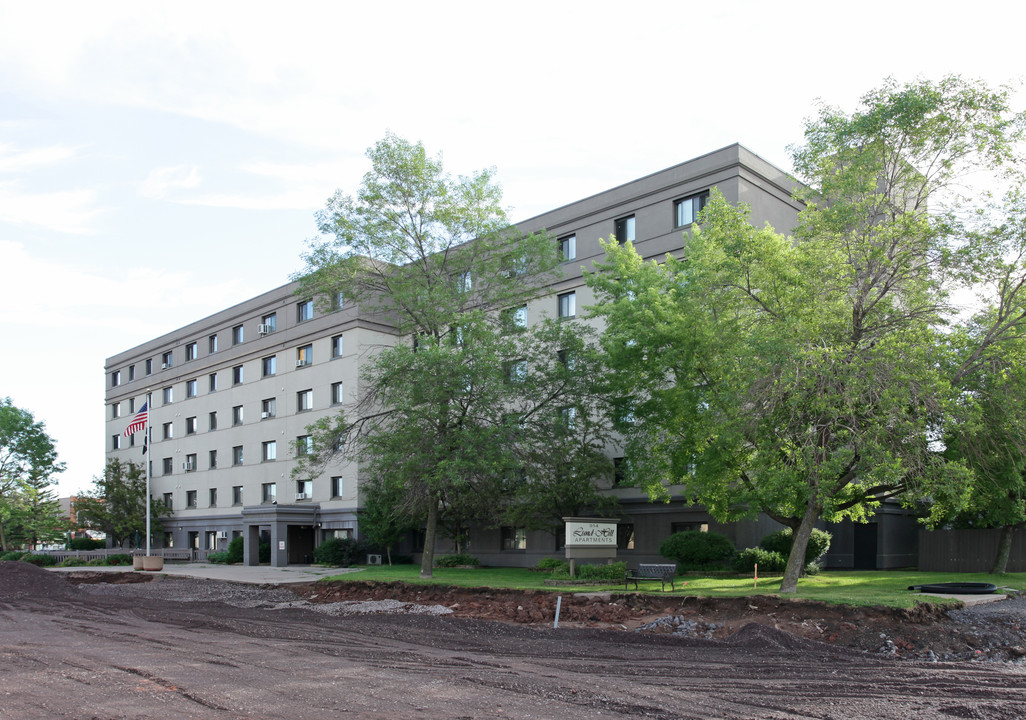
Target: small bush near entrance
{"x":235,"y":548}
{"x":86,"y":544}
{"x":72,"y":562}
{"x":553,"y":564}
{"x":12,"y":556}
{"x":218,"y":558}
{"x":42,"y":559}
{"x":780,"y":542}
{"x":460,"y":560}
{"x":119,"y":559}
{"x":612,"y":571}
{"x":769,"y":561}
{"x":697,"y":550}
{"x":264,"y":551}
{"x":340,"y":552}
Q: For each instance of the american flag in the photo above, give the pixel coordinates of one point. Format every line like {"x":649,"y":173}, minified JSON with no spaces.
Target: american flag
{"x":138,"y":422}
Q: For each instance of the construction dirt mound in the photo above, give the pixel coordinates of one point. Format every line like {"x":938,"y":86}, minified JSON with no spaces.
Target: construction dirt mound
{"x":22,"y":580}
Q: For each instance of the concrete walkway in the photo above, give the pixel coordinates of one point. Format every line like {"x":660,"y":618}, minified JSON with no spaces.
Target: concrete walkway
{"x":256,"y":574}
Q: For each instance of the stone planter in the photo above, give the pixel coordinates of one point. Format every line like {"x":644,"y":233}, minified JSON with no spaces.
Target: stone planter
{"x":137,"y":562}
{"x":153,"y":562}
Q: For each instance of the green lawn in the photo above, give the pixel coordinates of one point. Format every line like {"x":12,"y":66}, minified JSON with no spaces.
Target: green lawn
{"x":886,"y":587}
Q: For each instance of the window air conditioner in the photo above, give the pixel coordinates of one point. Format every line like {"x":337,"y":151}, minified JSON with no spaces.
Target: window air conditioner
{"x":263,"y":329}
{"x":302,"y":496}
{"x":222,"y":536}
{"x":163,"y":366}
{"x":187,"y":466}
{"x":300,"y":363}
{"x":265,"y":415}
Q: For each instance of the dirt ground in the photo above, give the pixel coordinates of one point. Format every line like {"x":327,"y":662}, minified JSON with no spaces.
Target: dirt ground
{"x":139,"y":650}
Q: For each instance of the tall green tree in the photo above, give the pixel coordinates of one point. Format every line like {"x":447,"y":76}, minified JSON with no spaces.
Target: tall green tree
{"x":28,"y":464}
{"x":116,"y":504}
{"x":437,"y":258}
{"x":804,"y":377}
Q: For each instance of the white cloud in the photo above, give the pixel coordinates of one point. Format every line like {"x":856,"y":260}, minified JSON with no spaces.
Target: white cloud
{"x":15,"y":160}
{"x":66,"y":211}
{"x":163,"y":180}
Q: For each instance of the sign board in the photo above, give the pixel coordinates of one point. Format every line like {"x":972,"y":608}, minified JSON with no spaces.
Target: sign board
{"x":281,"y":544}
{"x":591,"y":533}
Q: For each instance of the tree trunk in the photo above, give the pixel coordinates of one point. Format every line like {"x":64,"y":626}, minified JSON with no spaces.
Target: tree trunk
{"x":427,"y":559}
{"x":799,"y":542}
{"x":1004,"y":550}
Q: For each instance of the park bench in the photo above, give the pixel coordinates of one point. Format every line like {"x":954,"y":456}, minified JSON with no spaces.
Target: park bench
{"x":651,"y":571}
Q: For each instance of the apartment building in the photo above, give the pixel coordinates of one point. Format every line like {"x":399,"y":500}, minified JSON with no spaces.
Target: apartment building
{"x":232,"y":394}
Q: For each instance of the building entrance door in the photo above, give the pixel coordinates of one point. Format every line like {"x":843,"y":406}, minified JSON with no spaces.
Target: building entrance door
{"x":300,"y":544}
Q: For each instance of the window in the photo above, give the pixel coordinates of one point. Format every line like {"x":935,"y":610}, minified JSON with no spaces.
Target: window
{"x":567,"y":359}
{"x":336,"y":393}
{"x":304,"y":445}
{"x":212,"y":382}
{"x":168,"y":431}
{"x":304,"y":489}
{"x":167,"y":465}
{"x":131,"y":373}
{"x":304,"y":356}
{"x":304,"y":400}
{"x":269,"y":493}
{"x":115,"y":442}
{"x":568,"y":248}
{"x":464,"y":283}
{"x":131,"y":440}
{"x":237,"y":415}
{"x":686,"y":211}
{"x":237,"y":455}
{"x":624,"y":229}
{"x":115,"y":411}
{"x":236,"y":495}
{"x":336,"y":346}
{"x":212,"y":499}
{"x":149,"y":367}
{"x":338,"y":300}
{"x":568,"y":305}
{"x":269,"y":365}
{"x":238,"y":334}
{"x":336,"y":487}
{"x":212,"y":344}
{"x":168,"y":394}
{"x":515,"y":319}
{"x":131,"y":405}
{"x":212,"y":421}
{"x":267,"y":408}
{"x":169,"y":539}
{"x":115,"y":378}
{"x":237,"y":375}
{"x":516,"y":371}
{"x":190,"y":388}
{"x":191,"y":352}
{"x":688,"y":527}
{"x":304,"y":311}
{"x":166,"y":360}
{"x":190,"y":498}
{"x":625,"y":536}
{"x":190,"y":425}
{"x":212,"y":459}
{"x":569,"y":416}
{"x":513,"y":538}
{"x":268,"y":324}
{"x":621,"y":471}
{"x":270,"y":451}
{"x":169,"y":500}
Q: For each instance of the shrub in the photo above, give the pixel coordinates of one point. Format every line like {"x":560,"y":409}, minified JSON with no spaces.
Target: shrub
{"x":40,"y":559}
{"x":218,"y":558}
{"x":12,"y":555}
{"x":96,"y":562}
{"x":235,"y":548}
{"x":612,"y":571}
{"x":400,"y":559}
{"x":339,"y":552}
{"x":553,"y":564}
{"x":448,"y":561}
{"x":769,"y":561}
{"x":72,"y":562}
{"x":86,"y":544}
{"x":780,"y":542}
{"x":119,"y":559}
{"x":264,"y":552}
{"x":697,"y":550}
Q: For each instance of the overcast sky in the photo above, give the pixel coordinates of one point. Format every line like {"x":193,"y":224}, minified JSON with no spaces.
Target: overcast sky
{"x":162,"y":161}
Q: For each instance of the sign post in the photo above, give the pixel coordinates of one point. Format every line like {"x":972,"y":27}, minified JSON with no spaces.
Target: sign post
{"x":589,"y":538}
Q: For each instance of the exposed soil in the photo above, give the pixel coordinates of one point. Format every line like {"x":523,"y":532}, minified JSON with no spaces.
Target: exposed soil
{"x":139,"y":650}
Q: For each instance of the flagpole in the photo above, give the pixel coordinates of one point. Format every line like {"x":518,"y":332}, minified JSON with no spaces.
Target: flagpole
{"x":149,"y":500}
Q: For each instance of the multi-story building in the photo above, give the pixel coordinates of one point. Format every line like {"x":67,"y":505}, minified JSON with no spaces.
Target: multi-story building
{"x":231,"y":395}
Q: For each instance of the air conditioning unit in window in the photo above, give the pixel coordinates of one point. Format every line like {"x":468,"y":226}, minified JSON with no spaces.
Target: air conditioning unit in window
{"x":163,"y":366}
{"x":300,"y":363}
{"x":265,"y":415}
{"x":222,"y":536}
{"x":302,"y":496}
{"x":188,"y":466}
{"x":263,"y":329}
